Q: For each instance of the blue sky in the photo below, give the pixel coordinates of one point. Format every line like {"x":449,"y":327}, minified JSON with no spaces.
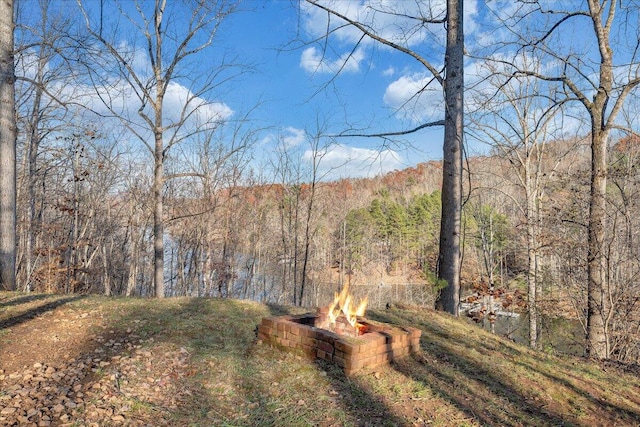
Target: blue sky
{"x":294,"y":80}
{"x":271,"y":36}
{"x":295,"y":85}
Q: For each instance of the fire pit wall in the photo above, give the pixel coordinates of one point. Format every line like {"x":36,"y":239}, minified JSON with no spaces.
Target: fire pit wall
{"x":378,"y":345}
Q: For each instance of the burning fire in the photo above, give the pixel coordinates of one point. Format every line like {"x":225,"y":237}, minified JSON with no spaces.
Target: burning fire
{"x":343,"y":303}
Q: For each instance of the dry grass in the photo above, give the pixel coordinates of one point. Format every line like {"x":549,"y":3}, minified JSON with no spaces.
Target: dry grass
{"x":194,"y":362}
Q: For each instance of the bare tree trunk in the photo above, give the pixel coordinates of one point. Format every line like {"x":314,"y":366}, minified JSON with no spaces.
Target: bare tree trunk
{"x":33,"y":142}
{"x":597,"y":280}
{"x":597,"y":272}
{"x":7,"y":150}
{"x":449,"y":255}
{"x":158,"y":223}
{"x":532,"y":270}
{"x":133,"y":250}
{"x":105,"y":267}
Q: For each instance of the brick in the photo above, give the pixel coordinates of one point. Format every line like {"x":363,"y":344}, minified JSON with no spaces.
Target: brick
{"x":381,"y":343}
{"x":346,"y":347}
{"x":322,"y":310}
{"x":268,"y":321}
{"x":395,"y":334}
{"x":413,"y":332}
{"x":267,"y":330}
{"x":325,"y":356}
{"x":309,"y":350}
{"x":381,"y":349}
{"x":294,"y":338}
{"x":310,"y":341}
{"x":399,"y":344}
{"x":387,"y":337}
{"x":374,"y":337}
{"x":283,"y":342}
{"x":398,"y":352}
{"x":325,"y":346}
{"x":329,"y":337}
{"x":371,"y":362}
{"x":372,"y":327}
{"x":294,"y":329}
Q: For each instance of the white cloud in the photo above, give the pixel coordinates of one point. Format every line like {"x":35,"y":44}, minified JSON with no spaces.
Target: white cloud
{"x":386,"y":18}
{"x":137,"y":58}
{"x":415,"y":97}
{"x":179,"y":99}
{"x":179,"y":103}
{"x":313,"y":61}
{"x":389,"y":72}
{"x":293,"y":137}
{"x":27,"y":63}
{"x":340,"y":161}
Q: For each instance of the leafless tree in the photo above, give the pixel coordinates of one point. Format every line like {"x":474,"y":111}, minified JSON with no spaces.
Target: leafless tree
{"x":7,"y":149}
{"x":599,"y":75}
{"x":519,"y":120}
{"x":424,"y":17}
{"x":170,"y":43}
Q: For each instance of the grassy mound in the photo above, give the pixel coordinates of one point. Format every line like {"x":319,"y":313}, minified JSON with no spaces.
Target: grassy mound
{"x":194,"y":362}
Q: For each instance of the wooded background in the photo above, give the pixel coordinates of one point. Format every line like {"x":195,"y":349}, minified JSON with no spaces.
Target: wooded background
{"x":550,"y":211}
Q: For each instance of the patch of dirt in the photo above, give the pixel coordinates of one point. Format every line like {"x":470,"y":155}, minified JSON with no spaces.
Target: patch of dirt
{"x":61,"y":365}
{"x":54,"y":333}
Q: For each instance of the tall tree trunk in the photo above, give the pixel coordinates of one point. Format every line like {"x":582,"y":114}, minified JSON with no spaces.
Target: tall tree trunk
{"x":307,"y":241}
{"x":532,"y":281}
{"x":531,"y":194}
{"x":597,"y":272}
{"x":33,"y":224}
{"x":133,"y":250}
{"x":7,"y":150}
{"x":449,"y":256}
{"x":158,"y":224}
{"x":158,"y":152}
{"x":597,"y":280}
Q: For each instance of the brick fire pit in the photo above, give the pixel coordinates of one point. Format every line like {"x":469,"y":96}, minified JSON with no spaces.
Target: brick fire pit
{"x":376,"y":343}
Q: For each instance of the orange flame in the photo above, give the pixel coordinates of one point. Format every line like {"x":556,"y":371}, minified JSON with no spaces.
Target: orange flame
{"x":342,"y":303}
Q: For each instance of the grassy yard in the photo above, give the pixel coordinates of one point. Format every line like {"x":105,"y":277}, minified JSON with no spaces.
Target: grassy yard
{"x":195,"y":362}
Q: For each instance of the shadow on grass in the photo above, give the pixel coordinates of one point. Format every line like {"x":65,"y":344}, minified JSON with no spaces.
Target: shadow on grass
{"x":363,"y":407}
{"x":35,"y":311}
{"x":24,"y":299}
{"x":617,"y":414}
{"x":482,"y":394}
{"x":222,"y":385}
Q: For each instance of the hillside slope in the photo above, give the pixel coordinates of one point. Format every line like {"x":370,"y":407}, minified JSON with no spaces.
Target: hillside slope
{"x":95,"y":361}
